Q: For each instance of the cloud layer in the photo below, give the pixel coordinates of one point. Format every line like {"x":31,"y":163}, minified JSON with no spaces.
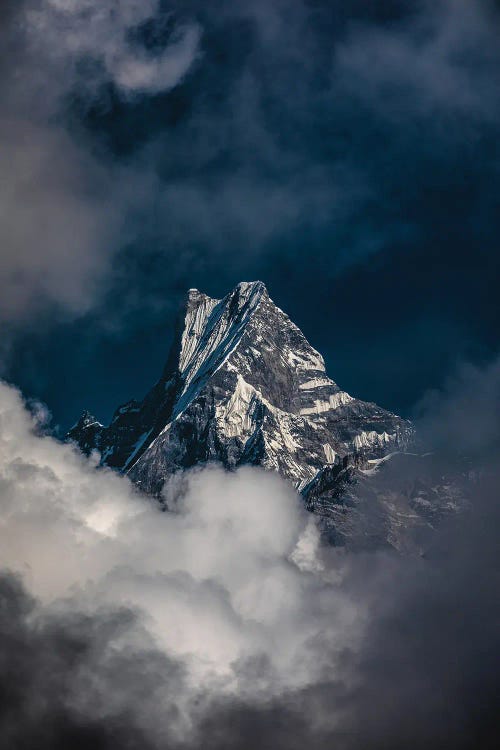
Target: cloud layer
{"x":225,"y":619}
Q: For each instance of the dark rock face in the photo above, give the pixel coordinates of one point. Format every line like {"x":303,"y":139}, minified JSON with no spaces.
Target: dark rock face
{"x":242,"y":385}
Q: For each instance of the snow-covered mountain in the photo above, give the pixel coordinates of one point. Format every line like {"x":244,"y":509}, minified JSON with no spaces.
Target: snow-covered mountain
{"x":242,"y":385}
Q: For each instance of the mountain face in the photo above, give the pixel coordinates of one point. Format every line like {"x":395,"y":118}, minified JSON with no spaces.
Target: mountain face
{"x":242,"y":385}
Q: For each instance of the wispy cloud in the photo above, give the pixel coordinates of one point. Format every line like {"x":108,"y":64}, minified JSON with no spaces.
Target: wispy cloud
{"x":107,"y":42}
{"x":64,"y":203}
{"x":291,"y":126}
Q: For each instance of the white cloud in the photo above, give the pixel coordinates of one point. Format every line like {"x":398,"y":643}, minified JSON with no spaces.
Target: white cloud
{"x":162,"y":622}
{"x":231,"y":576}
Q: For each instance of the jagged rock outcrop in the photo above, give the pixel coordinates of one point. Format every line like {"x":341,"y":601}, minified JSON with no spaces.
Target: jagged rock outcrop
{"x":242,"y":385}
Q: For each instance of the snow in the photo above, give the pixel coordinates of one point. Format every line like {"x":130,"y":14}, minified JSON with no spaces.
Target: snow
{"x":107,"y":453}
{"x":213,"y":328}
{"x":334,"y":401}
{"x":234,"y":415}
{"x":329,"y":453}
{"x":372,"y":438}
{"x":127,"y":408}
{"x":377,"y":461}
{"x":199,"y":309}
{"x":315,"y":383}
{"x":306,"y":360}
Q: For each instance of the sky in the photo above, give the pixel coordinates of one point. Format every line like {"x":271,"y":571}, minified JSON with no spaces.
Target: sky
{"x":345,"y":153}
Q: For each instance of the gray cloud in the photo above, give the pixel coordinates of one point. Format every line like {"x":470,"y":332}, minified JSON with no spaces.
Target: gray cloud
{"x":431,"y":66}
{"x":225,"y":622}
{"x":320,"y":131}
{"x":65,"y":204}
{"x":239,"y":132}
{"x":463,"y":416}
{"x":59,"y":220}
{"x":66,"y":34}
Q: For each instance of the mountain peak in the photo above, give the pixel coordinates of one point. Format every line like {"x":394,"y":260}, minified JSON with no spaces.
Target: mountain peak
{"x":86,"y":432}
{"x":86,"y":420}
{"x":195,"y":295}
{"x":248,"y":288}
{"x":212,"y":327}
{"x":243,"y":291}
{"x":242,"y":385}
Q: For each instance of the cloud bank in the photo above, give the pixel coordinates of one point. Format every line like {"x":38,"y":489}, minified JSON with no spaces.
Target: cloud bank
{"x":224,"y":622}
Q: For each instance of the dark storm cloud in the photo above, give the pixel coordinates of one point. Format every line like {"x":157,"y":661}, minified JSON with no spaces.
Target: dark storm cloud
{"x":56,"y":215}
{"x":73,"y":681}
{"x":298,"y":129}
{"x":427,"y":673}
{"x":428,"y":676}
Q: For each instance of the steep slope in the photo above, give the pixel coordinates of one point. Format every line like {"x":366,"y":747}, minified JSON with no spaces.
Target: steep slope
{"x":241,"y":385}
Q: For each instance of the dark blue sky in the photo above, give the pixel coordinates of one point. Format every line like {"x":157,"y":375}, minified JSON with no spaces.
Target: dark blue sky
{"x":346,"y":153}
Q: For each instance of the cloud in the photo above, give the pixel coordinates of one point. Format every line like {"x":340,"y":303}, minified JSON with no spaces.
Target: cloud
{"x":300,"y":135}
{"x":243,"y":132}
{"x":431,"y":66}
{"x":112,"y":39}
{"x":225,"y":619}
{"x":226,"y":624}
{"x":59,"y":220}
{"x":65,"y":203}
{"x":462,"y":416}
{"x":223,"y":565}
